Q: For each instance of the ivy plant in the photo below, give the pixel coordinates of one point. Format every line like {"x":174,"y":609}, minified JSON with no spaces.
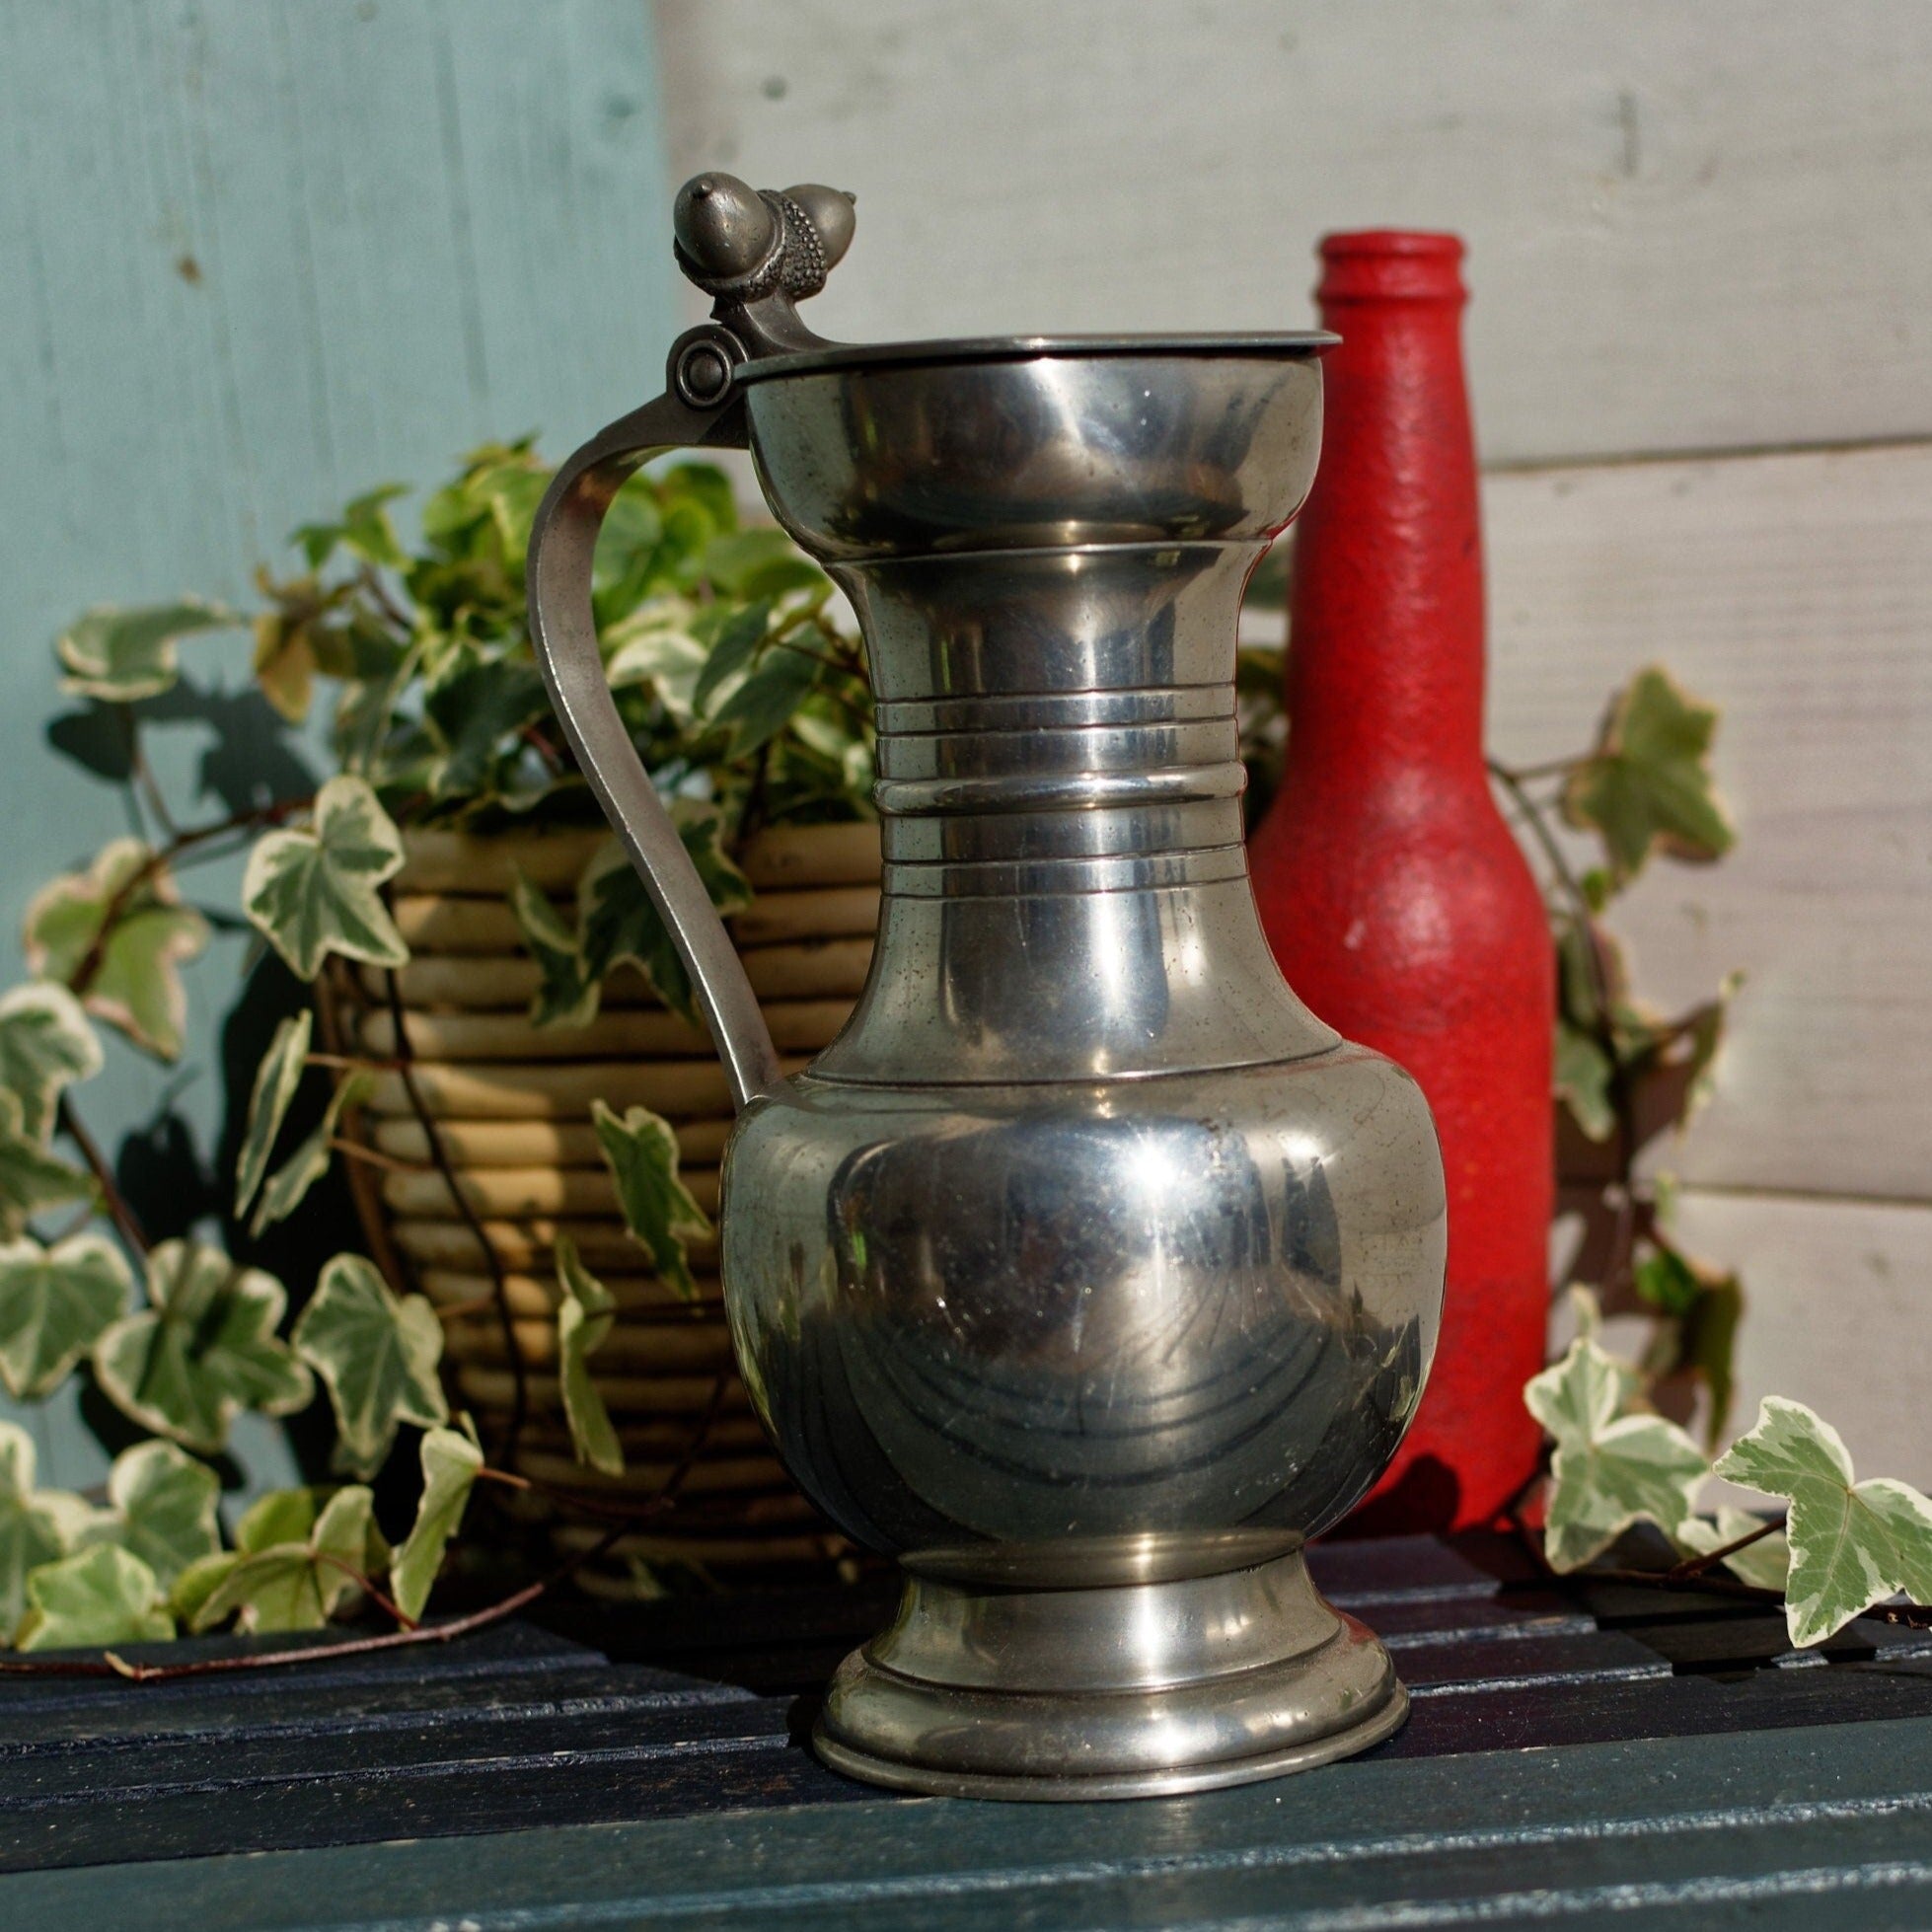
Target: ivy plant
{"x":1843,"y":1549}
{"x":747,"y":703}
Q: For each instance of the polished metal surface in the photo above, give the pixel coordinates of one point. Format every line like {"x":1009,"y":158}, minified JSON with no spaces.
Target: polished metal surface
{"x":1130,"y":1690}
{"x":1087,"y":1271}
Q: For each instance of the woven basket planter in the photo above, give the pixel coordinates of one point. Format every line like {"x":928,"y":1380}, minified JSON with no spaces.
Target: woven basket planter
{"x":490,"y":1125}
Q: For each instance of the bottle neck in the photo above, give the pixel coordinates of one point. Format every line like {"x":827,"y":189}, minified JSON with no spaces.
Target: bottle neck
{"x":1386,"y":663}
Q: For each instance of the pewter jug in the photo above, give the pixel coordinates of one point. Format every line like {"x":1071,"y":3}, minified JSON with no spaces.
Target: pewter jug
{"x":1087,"y":1271}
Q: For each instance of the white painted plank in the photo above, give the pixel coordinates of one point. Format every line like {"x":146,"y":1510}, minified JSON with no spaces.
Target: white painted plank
{"x":1795,"y":593}
{"x":1692,"y":227}
{"x":1839,"y":1315}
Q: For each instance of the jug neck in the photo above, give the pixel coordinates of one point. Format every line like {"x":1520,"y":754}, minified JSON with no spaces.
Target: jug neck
{"x":1065,"y":892}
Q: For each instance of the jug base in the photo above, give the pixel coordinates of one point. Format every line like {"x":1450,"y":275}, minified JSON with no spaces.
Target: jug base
{"x":1147,"y":1689}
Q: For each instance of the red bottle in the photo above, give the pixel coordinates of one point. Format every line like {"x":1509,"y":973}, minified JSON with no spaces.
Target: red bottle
{"x":1392,"y":891}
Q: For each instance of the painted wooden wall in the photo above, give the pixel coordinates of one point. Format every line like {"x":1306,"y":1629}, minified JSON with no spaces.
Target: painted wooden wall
{"x":255,"y":255}
{"x":1701,"y":345}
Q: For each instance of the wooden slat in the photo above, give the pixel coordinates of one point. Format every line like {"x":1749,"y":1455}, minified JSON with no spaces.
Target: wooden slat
{"x":681,"y":1088}
{"x":811,"y":969}
{"x":1792,"y":592}
{"x":786,"y":856}
{"x":1659,"y":198}
{"x":516,"y":1192}
{"x":534,"y":1143}
{"x":797,"y":1026}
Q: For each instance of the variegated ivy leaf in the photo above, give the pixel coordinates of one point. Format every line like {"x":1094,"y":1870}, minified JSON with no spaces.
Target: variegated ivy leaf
{"x":276,"y":1082}
{"x":45,"y":1043}
{"x":1609,"y":1470}
{"x":203,"y":1349}
{"x":54,"y":1305}
{"x":1582,"y":1080}
{"x":657,"y":645}
{"x":121,"y":655}
{"x":30,"y":1178}
{"x":617,"y":922}
{"x":583,"y":1321}
{"x":36,"y":1527}
{"x":286,"y":1187}
{"x":1648,"y":785}
{"x":1765,"y":1564}
{"x":377,"y":1354}
{"x":298,"y":1585}
{"x":566,"y":996}
{"x":450,"y":1461}
{"x":161,"y":1508}
{"x":315,"y":891}
{"x":103,"y":1595}
{"x":1853,"y":1543}
{"x":122,"y":925}
{"x":642,"y":1151}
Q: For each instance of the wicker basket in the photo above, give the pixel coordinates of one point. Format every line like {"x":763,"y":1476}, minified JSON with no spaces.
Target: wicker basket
{"x":495,"y":1157}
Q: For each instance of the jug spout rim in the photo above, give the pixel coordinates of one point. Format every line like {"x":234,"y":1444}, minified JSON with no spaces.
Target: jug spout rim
{"x":1285,"y":346}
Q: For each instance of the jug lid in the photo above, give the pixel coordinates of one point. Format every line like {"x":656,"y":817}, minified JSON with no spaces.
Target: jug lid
{"x":1015,"y":348}
{"x":759,"y":252}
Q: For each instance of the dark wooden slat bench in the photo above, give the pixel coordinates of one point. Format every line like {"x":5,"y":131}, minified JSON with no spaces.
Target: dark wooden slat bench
{"x":1589,"y":1754}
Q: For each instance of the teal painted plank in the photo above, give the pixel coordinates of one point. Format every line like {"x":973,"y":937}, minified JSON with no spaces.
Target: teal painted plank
{"x":256,"y":255}
{"x":1818,"y":1829}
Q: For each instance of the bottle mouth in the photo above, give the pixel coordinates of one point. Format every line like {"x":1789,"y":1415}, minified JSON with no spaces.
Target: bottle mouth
{"x":839,"y":356}
{"x":1390,"y":264}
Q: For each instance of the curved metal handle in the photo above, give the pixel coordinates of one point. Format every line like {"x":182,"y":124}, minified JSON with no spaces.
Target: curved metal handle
{"x":564,"y":631}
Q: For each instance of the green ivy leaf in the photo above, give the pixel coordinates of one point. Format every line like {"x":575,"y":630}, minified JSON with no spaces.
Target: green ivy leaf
{"x":1705,"y":1026}
{"x":287,"y":1188}
{"x":54,"y":1305}
{"x":1765,"y":1564}
{"x":765,"y":701}
{"x":473,"y":705}
{"x":1582,"y":1080}
{"x":1609,"y":1470}
{"x":377,"y":1356}
{"x":36,"y":1527}
{"x":760,"y":563}
{"x":161,"y":1509}
{"x":1664,"y":1279}
{"x":46,"y":1044}
{"x":565,"y":996}
{"x":617,"y":922}
{"x":30,"y":1178}
{"x":204,"y":1348}
{"x":276,"y":1082}
{"x":734,"y":649}
{"x":450,"y":1461}
{"x":298,"y":1585}
{"x":101,"y":1596}
{"x":583,"y":1321}
{"x":642,"y":1151}
{"x":134,"y":982}
{"x":282,"y":1515}
{"x":364,"y":531}
{"x":1648,"y":785}
{"x":1852,"y":1543}
{"x":313,"y":892}
{"x":1707,"y":1345}
{"x":121,"y":655}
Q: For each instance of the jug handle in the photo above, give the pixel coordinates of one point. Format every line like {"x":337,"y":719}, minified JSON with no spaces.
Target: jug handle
{"x":563,"y":632}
